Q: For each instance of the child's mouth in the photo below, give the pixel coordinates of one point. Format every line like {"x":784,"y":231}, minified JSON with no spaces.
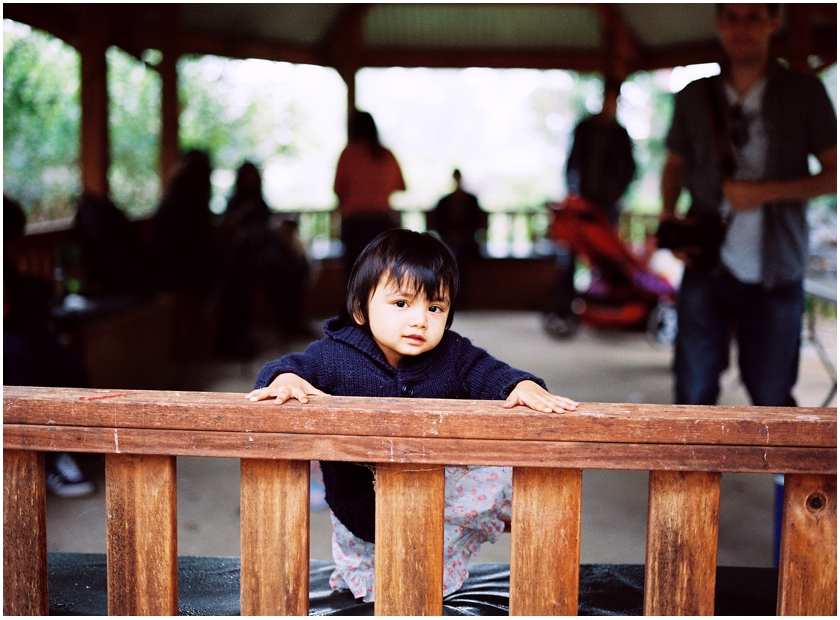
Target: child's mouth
{"x":414,"y":339}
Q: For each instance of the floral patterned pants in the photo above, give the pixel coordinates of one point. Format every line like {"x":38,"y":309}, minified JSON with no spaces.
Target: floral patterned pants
{"x":477,"y":505}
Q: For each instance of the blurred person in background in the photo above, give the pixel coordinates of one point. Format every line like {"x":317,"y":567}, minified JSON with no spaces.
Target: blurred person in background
{"x":32,"y":355}
{"x":366,"y":176}
{"x":601,"y":167}
{"x":459,"y":220}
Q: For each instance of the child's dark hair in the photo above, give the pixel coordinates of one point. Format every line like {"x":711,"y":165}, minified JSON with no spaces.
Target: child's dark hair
{"x":418,"y":260}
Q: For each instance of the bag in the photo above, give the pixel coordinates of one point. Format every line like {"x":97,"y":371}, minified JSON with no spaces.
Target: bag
{"x":702,"y":238}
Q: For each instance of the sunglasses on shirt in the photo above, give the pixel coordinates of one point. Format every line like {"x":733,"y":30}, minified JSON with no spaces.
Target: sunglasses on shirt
{"x":739,"y":126}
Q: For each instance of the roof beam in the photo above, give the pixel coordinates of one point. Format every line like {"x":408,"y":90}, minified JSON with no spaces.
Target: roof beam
{"x":585,"y":62}
{"x":40,"y":16}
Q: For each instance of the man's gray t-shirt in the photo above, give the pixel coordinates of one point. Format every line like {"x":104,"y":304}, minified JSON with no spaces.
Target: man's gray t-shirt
{"x":799,"y":119}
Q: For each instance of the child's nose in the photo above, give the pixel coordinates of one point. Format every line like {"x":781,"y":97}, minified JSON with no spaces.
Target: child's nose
{"x":418,"y":317}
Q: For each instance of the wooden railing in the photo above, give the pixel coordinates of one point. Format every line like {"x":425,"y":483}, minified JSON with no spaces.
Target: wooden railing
{"x":684,"y":448}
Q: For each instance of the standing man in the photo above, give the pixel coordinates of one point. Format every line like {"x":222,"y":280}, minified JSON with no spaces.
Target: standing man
{"x":601,"y":165}
{"x":459,"y":220}
{"x":739,"y":142}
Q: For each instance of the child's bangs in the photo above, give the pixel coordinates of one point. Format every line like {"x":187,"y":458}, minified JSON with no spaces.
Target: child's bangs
{"x":421,"y":279}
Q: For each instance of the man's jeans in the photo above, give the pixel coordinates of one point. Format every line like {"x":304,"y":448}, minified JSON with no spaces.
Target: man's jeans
{"x":767,"y":325}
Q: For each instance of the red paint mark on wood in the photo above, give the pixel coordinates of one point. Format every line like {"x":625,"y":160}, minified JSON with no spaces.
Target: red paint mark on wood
{"x":104,"y":397}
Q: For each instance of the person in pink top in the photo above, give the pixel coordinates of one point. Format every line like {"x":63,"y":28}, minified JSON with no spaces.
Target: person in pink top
{"x":366,"y":176}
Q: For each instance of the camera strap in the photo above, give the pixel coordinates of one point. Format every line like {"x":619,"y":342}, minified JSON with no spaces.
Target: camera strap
{"x":719,"y":118}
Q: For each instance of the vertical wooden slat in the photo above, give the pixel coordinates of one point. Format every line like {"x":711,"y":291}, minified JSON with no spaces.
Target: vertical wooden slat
{"x":545,"y":541}
{"x":141,"y":527}
{"x":808,"y":561}
{"x":409,"y":540}
{"x":94,"y":25}
{"x":275,"y":537}
{"x":682,"y":538}
{"x":24,"y":534}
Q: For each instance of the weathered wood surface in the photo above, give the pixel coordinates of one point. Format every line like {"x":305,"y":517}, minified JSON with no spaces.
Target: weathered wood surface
{"x":409,"y":540}
{"x":142,"y":535}
{"x":808,"y":559}
{"x":684,"y":447}
{"x":422,"y":418}
{"x":24,"y":534}
{"x":575,"y":455}
{"x":682,"y":538}
{"x":608,"y":436}
{"x":274,"y":526}
{"x":545,"y":542}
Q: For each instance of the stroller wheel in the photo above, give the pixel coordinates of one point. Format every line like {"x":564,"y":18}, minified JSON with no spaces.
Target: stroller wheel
{"x":662,"y":325}
{"x":560,"y":326}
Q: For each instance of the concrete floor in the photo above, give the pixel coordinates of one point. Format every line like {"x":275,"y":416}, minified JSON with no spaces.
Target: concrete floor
{"x":593,"y":366}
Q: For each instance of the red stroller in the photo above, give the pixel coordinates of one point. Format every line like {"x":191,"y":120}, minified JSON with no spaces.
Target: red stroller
{"x":623,"y":292}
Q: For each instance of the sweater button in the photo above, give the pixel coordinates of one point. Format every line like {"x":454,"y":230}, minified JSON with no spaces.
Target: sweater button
{"x":407,"y":390}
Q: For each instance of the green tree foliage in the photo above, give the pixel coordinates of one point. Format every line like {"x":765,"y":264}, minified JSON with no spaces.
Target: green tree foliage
{"x":134,"y":125}
{"x":223,"y":116}
{"x":41,"y":114}
{"x":288,"y":119}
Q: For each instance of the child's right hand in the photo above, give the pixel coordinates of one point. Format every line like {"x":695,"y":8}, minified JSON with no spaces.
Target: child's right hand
{"x":285,"y":387}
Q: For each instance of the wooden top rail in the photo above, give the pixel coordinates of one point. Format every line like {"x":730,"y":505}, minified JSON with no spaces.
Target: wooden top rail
{"x":684,"y":448}
{"x":597,"y":436}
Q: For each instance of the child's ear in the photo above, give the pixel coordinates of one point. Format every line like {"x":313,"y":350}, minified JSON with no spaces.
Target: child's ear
{"x":357,"y":316}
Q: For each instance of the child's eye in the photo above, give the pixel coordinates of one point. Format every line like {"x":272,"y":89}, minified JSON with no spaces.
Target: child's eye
{"x":400,"y":304}
{"x":435,"y":309}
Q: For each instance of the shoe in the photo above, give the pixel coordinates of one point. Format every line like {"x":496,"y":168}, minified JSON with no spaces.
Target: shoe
{"x":317,"y":497}
{"x":65,"y":479}
{"x":317,"y":492}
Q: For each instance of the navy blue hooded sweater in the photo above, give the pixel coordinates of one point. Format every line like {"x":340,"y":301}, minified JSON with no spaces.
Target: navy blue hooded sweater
{"x":348,"y":362}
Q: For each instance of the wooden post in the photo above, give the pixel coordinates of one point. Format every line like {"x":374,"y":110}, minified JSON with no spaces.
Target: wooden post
{"x":275,"y":537}
{"x":349,"y":76}
{"x":621,"y":50}
{"x":170,"y":110}
{"x":95,"y":146}
{"x":808,"y":559}
{"x":545,"y":542}
{"x":24,"y":534}
{"x":682,"y":538}
{"x":141,"y":526}
{"x":409,"y":539}
{"x":345,"y":47}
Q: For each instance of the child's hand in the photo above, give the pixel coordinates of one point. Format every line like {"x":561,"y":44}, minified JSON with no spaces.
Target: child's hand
{"x":285,"y":387}
{"x":532,"y":395}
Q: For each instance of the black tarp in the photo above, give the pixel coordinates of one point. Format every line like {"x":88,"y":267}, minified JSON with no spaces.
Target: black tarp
{"x":209,"y":586}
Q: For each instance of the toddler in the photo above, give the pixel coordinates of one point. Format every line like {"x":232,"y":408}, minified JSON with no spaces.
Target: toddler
{"x":392,"y":339}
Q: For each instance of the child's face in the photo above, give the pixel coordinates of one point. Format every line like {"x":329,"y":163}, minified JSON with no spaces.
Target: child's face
{"x":403,"y":322}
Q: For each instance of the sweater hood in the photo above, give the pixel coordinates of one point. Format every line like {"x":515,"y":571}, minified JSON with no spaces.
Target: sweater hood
{"x":358,"y":338}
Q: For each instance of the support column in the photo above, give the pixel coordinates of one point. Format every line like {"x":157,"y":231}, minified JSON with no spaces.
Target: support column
{"x":95,"y":144}
{"x":621,"y":51}
{"x":170,"y":15}
{"x":348,"y":74}
{"x":345,"y":50}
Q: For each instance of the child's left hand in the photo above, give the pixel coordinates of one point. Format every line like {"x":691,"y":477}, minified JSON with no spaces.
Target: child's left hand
{"x":533,"y":396}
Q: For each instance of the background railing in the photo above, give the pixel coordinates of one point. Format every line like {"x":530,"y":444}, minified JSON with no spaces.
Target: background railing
{"x":514,"y":233}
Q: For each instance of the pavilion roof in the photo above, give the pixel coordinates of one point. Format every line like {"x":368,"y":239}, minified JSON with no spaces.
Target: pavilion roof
{"x":619,"y":37}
